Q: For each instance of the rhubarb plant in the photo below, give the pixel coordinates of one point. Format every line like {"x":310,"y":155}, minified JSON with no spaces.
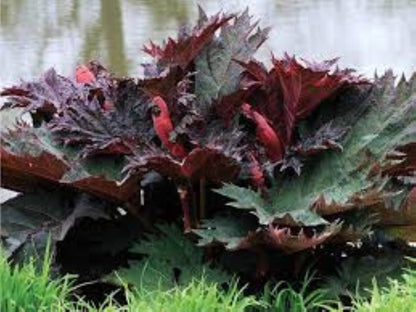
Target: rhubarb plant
{"x":360,"y":178}
{"x":288,"y":158}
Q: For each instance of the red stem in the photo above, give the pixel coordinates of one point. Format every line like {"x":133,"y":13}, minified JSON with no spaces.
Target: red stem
{"x":183,"y":195}
{"x":202,"y":196}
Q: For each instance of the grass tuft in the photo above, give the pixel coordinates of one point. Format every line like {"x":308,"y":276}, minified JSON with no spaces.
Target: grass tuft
{"x":26,"y":288}
{"x":283,"y":297}
{"x":397,"y":296}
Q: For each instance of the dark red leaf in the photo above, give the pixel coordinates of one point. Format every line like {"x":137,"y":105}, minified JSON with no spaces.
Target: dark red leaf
{"x":154,"y":160}
{"x":290,"y":91}
{"x":210,"y":164}
{"x":186,"y":47}
{"x":52,"y":92}
{"x":207,"y":163}
{"x":291,"y":87}
{"x":25,"y":169}
{"x":228,"y":105}
{"x":47,"y":95}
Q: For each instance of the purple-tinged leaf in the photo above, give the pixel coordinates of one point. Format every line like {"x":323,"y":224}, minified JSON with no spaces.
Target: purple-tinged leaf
{"x":187,"y":46}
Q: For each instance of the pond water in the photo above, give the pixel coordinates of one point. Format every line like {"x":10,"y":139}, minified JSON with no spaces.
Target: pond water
{"x":38,"y":34}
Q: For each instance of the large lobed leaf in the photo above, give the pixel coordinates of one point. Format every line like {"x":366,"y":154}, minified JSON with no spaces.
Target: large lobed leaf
{"x":117,"y":131}
{"x":292,"y":90}
{"x":189,"y":44}
{"x":101,"y":119}
{"x":52,"y":92}
{"x":32,"y":215}
{"x":170,"y":260}
{"x":46,"y":95}
{"x":31,"y":158}
{"x":101,"y":116}
{"x":240,"y":232}
{"x":339,"y":181}
{"x":225,"y":229}
{"x":218,"y":74}
{"x":95,"y":121}
{"x":268,"y":212}
{"x":174,"y":60}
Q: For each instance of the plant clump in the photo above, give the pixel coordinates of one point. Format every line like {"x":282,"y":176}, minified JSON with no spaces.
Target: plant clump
{"x":268,"y":163}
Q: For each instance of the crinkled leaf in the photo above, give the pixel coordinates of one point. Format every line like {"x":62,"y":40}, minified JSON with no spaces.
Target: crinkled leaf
{"x":94,"y":130}
{"x":30,"y":158}
{"x":326,"y":137}
{"x":217,"y":72}
{"x":290,"y":90}
{"x":188,"y":45}
{"x":341,"y":181}
{"x":47,"y":95}
{"x":350,"y":178}
{"x":52,"y":92}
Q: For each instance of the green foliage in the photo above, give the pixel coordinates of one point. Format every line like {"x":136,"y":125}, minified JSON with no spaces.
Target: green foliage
{"x":357,"y":273}
{"x":29,"y":289}
{"x":25,"y":288}
{"x":395,"y":296}
{"x":344,"y":179}
{"x":285,"y":298}
{"x":269,"y":211}
{"x":170,"y":260}
{"x":357,"y":179}
{"x":226,"y":230}
{"x":218,"y":74}
{"x":33,"y":290}
{"x":197,"y":296}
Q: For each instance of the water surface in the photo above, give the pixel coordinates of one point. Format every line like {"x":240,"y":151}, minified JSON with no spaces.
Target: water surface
{"x":38,"y":34}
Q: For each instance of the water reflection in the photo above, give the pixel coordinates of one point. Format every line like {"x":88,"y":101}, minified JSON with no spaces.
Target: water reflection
{"x":37,"y":34}
{"x":106,"y":35}
{"x":165,"y":11}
